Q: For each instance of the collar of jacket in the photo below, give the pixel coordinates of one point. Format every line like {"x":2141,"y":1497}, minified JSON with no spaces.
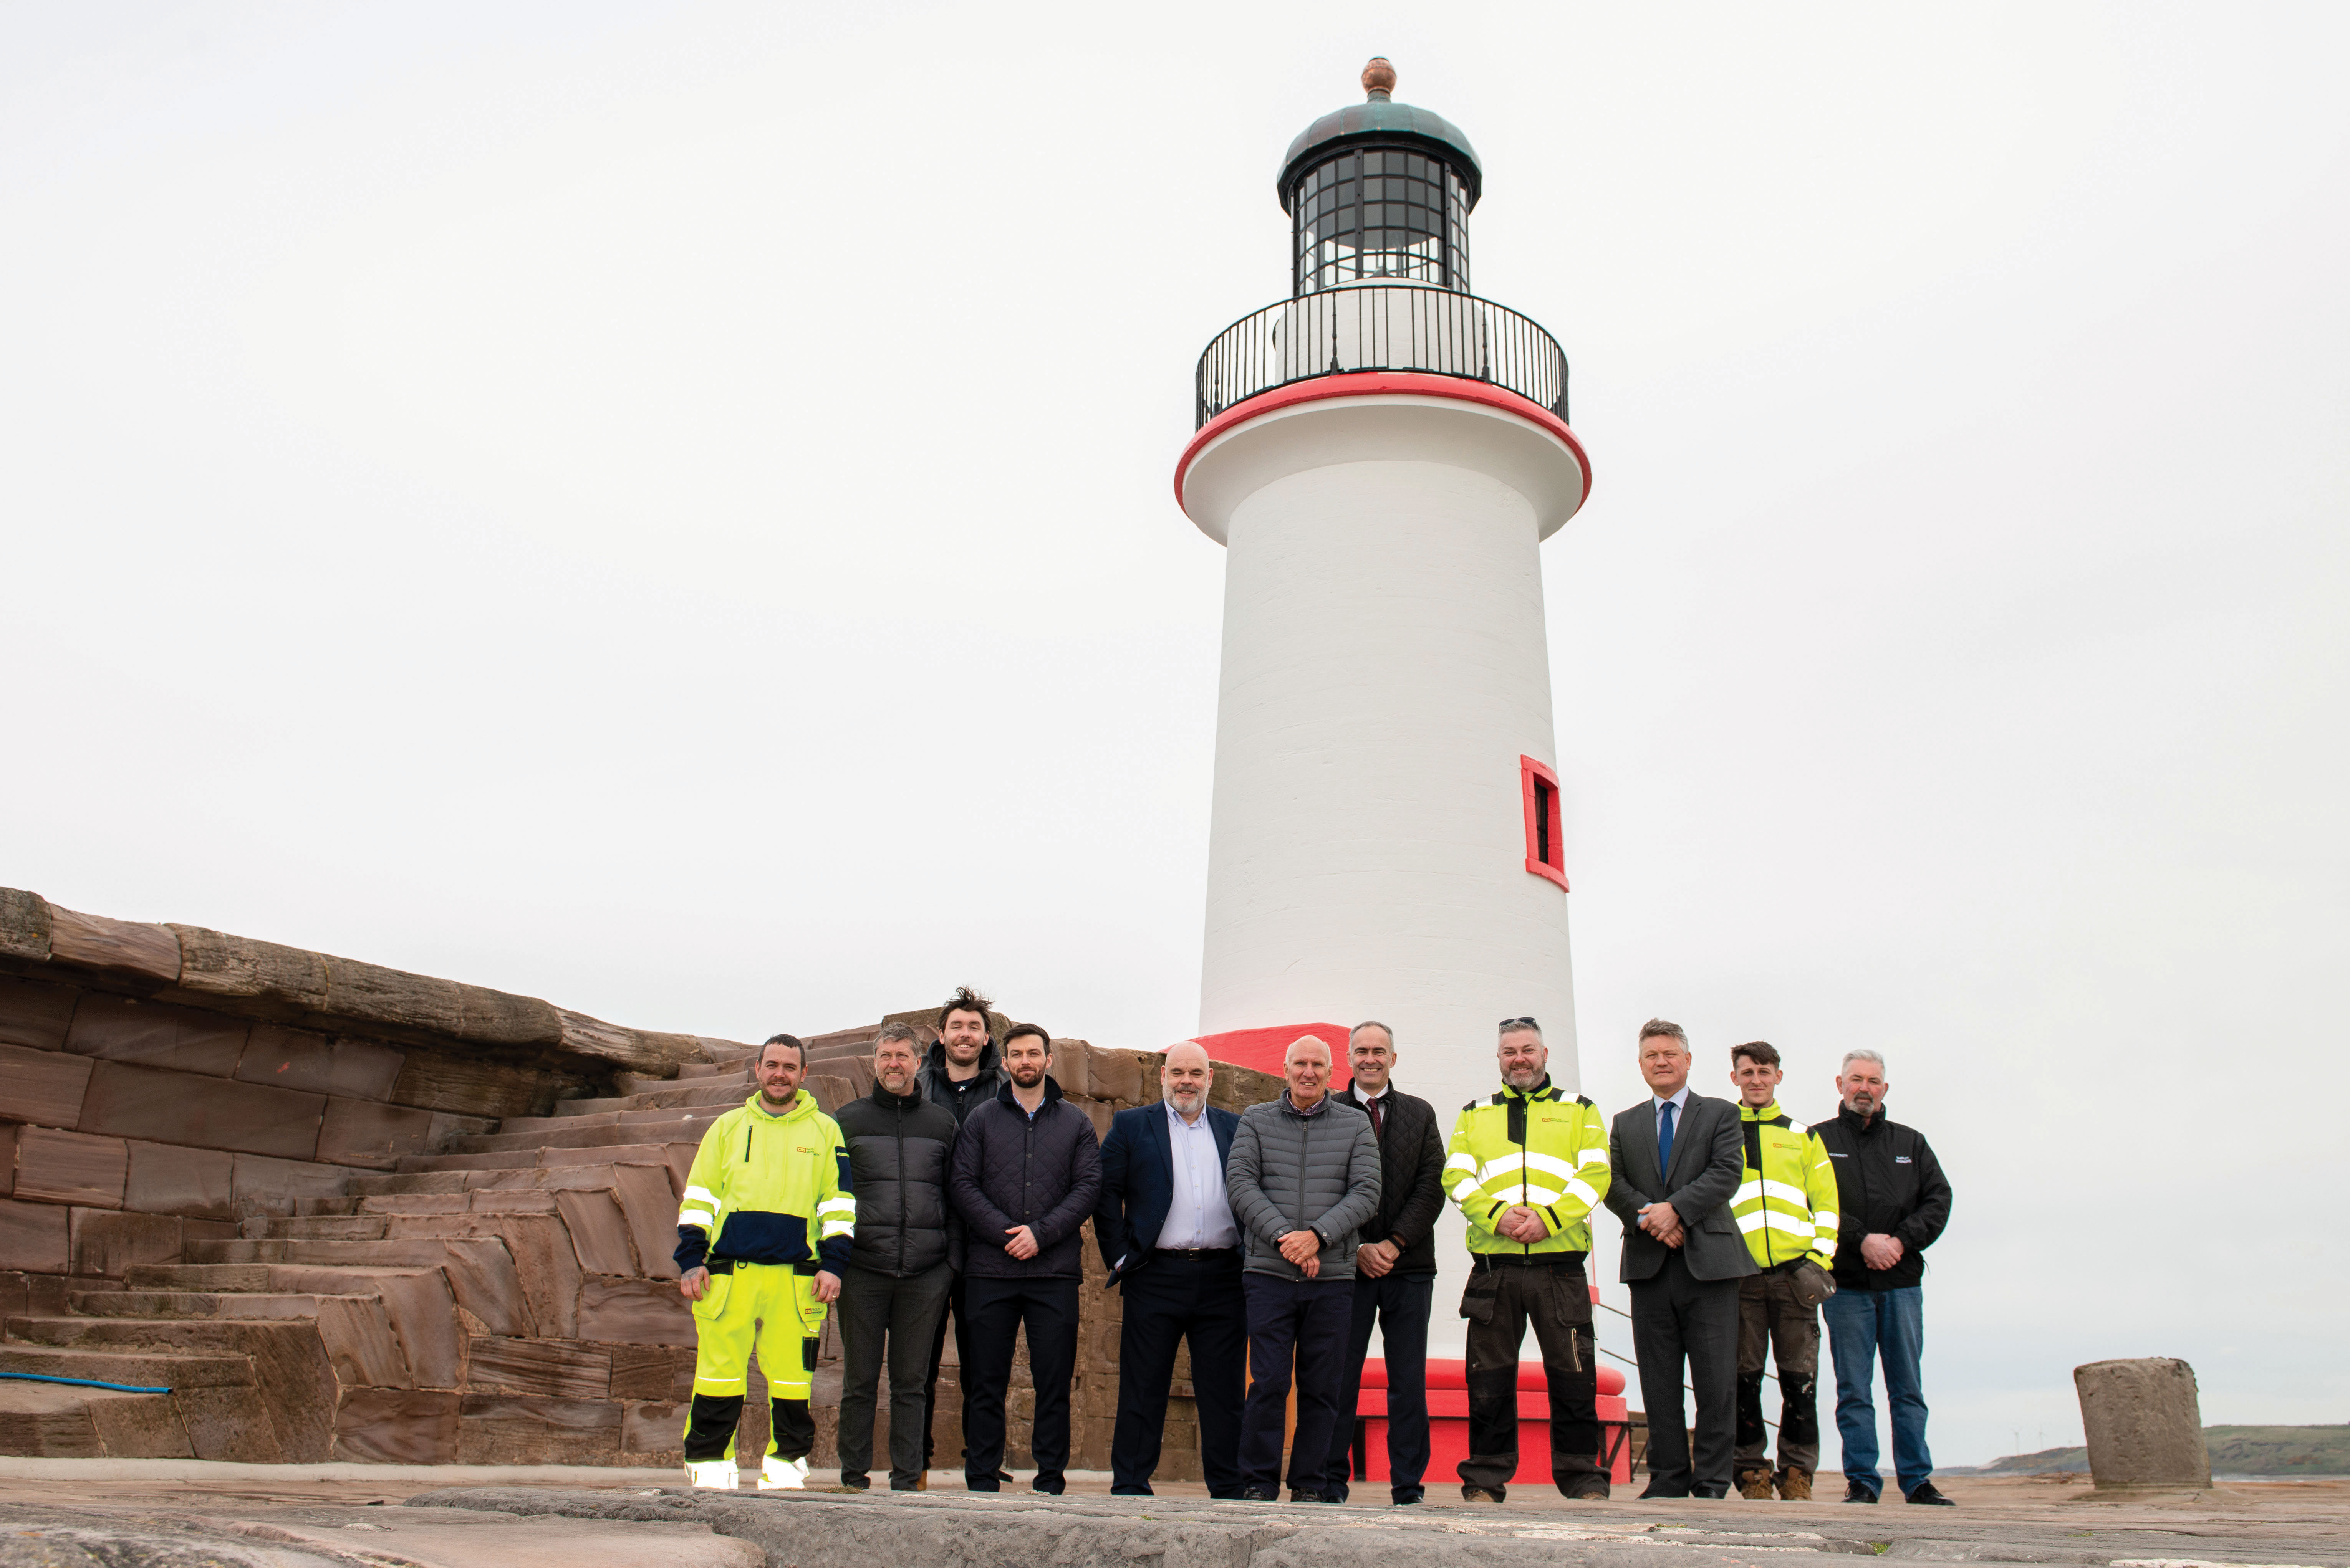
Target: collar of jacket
{"x":1542,"y":1091}
{"x":1052,"y":1093}
{"x":802,"y":1104}
{"x":1319,"y":1105}
{"x":881,"y":1096}
{"x":1771,"y":1112}
{"x":936,"y":1061}
{"x":1860,"y":1124}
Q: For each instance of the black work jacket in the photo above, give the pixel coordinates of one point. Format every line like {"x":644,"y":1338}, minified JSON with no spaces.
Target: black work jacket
{"x":900,"y":1146}
{"x":1888,"y":1183}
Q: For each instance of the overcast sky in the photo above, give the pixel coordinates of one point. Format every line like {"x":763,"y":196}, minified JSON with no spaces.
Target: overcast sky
{"x":667,"y":509}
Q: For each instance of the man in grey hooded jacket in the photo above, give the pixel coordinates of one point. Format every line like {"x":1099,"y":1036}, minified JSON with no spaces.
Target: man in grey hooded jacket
{"x":1303,"y":1178}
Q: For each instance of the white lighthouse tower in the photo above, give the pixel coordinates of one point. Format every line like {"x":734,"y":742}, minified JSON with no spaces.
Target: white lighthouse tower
{"x":1382,"y":454}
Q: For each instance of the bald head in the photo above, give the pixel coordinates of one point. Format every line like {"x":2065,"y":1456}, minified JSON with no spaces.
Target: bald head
{"x":1183,"y":1075}
{"x":1306,"y":1066}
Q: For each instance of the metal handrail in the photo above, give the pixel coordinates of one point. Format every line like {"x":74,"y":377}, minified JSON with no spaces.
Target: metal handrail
{"x":1380,"y":327}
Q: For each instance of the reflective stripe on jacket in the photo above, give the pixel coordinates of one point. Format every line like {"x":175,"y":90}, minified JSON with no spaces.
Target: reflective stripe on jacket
{"x":1786,"y":1200}
{"x":1540,"y":1149}
{"x":769,"y":1190}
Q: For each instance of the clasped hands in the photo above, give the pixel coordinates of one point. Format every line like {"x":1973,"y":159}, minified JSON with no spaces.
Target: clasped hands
{"x":1304,"y":1248}
{"x":1659,"y":1221}
{"x":1520,"y":1224}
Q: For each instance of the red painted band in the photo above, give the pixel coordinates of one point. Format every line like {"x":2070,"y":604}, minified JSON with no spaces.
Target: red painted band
{"x":1369,"y":383}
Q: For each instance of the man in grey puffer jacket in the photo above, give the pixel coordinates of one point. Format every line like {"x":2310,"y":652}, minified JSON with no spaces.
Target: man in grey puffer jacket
{"x":1303,"y":1178}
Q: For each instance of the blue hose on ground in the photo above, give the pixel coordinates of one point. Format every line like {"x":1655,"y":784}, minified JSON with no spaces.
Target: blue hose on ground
{"x":82,"y":1382}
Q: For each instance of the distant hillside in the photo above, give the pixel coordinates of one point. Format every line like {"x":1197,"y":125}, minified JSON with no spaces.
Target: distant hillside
{"x":2235,"y":1451}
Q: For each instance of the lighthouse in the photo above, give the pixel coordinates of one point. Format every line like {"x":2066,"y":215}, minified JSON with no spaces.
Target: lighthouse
{"x":1381,"y":454}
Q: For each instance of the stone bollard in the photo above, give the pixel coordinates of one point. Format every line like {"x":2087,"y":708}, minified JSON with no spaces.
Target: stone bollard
{"x":2145,"y":1428}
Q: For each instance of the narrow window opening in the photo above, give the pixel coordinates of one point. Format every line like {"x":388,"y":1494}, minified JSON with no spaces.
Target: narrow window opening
{"x":1546,"y":851}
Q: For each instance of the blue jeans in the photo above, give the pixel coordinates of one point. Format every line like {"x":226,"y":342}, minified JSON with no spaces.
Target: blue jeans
{"x":1864,"y":1325}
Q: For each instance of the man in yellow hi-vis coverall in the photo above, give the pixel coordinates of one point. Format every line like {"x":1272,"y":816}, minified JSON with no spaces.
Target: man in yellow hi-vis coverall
{"x":763,"y":1237}
{"x":1787,"y":1206}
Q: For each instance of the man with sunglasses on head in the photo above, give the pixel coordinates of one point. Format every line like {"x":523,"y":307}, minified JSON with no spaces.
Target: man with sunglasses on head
{"x":1526,"y":1167}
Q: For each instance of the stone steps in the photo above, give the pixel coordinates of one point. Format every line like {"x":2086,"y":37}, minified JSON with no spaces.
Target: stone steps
{"x":687,"y":1129}
{"x":49,"y":1420}
{"x":316,"y":1228}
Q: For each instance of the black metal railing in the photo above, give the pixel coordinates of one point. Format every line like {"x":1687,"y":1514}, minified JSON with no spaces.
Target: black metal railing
{"x":1381,"y":326}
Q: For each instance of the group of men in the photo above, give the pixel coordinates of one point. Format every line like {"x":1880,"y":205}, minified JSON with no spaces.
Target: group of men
{"x":1272,"y":1242}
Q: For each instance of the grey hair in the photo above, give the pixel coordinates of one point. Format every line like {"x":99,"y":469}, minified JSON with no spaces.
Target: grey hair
{"x":893,"y":1032}
{"x":1371,"y":1023}
{"x":1864,"y":1054}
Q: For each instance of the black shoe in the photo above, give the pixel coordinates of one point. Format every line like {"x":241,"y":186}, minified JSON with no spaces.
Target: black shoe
{"x":1484,"y":1493}
{"x":1924,"y":1495}
{"x":855,"y":1483}
{"x":1709,"y":1493}
{"x":1856,"y":1492}
{"x":1585,"y":1489}
{"x":1652,"y":1494}
{"x":1405,"y":1497}
{"x":1309,"y":1494}
{"x":980,"y":1483}
{"x":1260,"y":1494}
{"x":1001,"y":1477}
{"x":1131,"y":1491}
{"x":906,"y":1486}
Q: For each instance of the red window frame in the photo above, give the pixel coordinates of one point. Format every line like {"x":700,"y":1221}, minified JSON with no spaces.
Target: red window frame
{"x":1546,"y":854}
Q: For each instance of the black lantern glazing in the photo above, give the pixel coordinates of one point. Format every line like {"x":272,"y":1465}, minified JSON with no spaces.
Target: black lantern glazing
{"x":1371,"y":213}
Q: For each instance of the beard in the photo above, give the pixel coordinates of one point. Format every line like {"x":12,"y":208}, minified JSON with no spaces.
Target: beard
{"x":1027,"y":1077}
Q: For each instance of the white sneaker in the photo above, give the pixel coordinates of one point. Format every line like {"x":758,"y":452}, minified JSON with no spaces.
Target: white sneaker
{"x":783,"y":1475}
{"x":718,"y":1475}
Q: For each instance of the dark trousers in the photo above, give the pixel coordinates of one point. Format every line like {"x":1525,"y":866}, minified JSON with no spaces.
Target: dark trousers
{"x":1170,"y":1299}
{"x":884,"y":1316}
{"x":955,"y":1310}
{"x":1772,"y":1320}
{"x":1400,"y":1306}
{"x":1678,"y":1318}
{"x":1047,"y":1308}
{"x":1306,"y":1320}
{"x":1499,"y":1302}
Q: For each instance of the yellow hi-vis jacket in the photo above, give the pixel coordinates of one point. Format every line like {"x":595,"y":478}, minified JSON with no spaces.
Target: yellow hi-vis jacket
{"x":769,"y":1190}
{"x":1786,"y":1201}
{"x":1539,"y":1147}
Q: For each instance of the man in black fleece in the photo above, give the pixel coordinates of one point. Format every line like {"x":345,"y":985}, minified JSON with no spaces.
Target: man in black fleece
{"x":963,"y":1072}
{"x":896,"y":1288}
{"x":1026,"y":1172}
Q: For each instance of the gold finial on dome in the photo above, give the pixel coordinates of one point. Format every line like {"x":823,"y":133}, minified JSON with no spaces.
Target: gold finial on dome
{"x":1379,"y":79}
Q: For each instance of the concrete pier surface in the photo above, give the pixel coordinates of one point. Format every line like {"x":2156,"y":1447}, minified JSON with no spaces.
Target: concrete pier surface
{"x":182,"y":1514}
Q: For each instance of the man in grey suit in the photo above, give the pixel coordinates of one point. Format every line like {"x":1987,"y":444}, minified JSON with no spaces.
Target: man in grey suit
{"x":1677,"y":1159}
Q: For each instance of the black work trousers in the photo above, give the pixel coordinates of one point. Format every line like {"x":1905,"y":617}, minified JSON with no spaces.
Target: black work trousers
{"x":1000,"y":1308}
{"x":938,"y":1359}
{"x":1500,"y":1302}
{"x":1174,"y":1297}
{"x":886,"y":1317}
{"x":1677,"y":1319}
{"x":1400,"y":1307}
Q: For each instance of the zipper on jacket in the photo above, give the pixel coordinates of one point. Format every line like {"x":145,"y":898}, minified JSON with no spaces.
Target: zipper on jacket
{"x":898,"y":1104}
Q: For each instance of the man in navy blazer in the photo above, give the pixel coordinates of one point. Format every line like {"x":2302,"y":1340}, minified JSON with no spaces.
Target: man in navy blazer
{"x":1167,"y":1231}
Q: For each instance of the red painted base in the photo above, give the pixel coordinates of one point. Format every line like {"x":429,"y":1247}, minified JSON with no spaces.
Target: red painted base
{"x":1267,"y":1049}
{"x":1448,"y":1424}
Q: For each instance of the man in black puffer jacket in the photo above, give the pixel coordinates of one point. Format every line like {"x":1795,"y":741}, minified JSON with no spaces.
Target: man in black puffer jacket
{"x":896,"y":1288}
{"x":1026,"y":1172}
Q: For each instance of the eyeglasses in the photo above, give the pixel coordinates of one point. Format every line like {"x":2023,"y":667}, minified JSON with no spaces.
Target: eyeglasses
{"x":1508,"y":1023}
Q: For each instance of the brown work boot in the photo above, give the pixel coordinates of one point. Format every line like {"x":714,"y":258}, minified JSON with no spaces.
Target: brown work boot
{"x":1794,"y":1484}
{"x":1754,"y":1485}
